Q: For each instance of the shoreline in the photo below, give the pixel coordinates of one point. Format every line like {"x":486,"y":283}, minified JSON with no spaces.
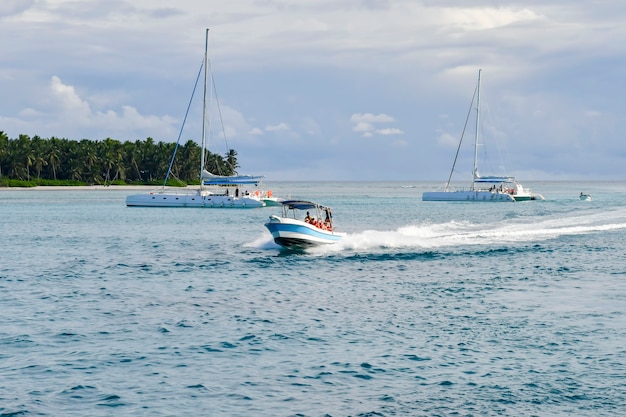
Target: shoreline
{"x":83,"y":187}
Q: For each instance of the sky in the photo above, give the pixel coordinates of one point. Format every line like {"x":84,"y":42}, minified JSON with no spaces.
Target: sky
{"x":331,"y":89}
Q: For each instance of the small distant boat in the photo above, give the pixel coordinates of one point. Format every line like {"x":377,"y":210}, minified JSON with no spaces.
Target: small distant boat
{"x":585,"y":197}
{"x":270,"y":200}
{"x":483,"y":188}
{"x":294,"y":231}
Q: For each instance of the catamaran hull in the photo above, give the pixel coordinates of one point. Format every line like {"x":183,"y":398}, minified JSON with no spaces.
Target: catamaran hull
{"x":296,"y":234}
{"x":191,"y":200}
{"x":467,"y":196}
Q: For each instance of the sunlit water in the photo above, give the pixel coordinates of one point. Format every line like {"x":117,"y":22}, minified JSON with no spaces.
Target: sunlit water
{"x":424,"y":309}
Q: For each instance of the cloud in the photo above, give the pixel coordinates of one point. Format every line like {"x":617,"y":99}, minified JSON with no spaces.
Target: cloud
{"x":365,"y":123}
{"x":447,"y":140}
{"x":29,"y":112}
{"x":371,"y":118}
{"x":165,"y":12}
{"x":310,"y":126}
{"x":65,"y":113}
{"x":363,"y":127}
{"x":281,"y":127}
{"x":119,"y":69}
{"x":14,"y":7}
{"x":66,"y":98}
{"x":484,"y":18}
{"x":389,"y":131}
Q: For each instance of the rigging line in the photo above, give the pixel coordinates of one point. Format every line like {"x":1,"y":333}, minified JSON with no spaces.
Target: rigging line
{"x":456,"y":156}
{"x":499,"y":160}
{"x":219,"y":110}
{"x":180,"y":133}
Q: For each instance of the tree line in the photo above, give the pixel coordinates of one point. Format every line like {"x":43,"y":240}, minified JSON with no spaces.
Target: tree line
{"x":39,"y":161}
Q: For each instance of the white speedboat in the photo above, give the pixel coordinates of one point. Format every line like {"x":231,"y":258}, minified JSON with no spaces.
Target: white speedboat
{"x":215,"y":191}
{"x":296,"y":230}
{"x":483,"y":188}
{"x":585,"y":197}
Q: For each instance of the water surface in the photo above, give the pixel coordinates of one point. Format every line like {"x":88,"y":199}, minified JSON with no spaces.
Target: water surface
{"x":424,"y":309}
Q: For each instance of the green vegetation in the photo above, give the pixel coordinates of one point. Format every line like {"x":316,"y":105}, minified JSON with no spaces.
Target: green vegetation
{"x":29,"y":162}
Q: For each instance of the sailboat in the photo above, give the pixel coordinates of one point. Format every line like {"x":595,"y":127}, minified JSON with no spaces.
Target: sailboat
{"x":214,"y":190}
{"x":483,"y":188}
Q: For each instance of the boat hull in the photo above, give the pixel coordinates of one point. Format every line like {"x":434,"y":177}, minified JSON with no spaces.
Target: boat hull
{"x":295,"y":234}
{"x":272,"y":201}
{"x":467,"y":196}
{"x":197,"y":200}
{"x":528,"y":197}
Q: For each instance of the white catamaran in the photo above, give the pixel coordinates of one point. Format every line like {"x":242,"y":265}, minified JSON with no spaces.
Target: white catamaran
{"x":215,"y":191}
{"x":483,"y":188}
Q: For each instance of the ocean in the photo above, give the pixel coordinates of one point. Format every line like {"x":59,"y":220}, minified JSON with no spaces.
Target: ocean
{"x":424,"y":309}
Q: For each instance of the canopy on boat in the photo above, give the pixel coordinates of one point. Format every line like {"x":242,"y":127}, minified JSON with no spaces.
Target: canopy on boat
{"x":494,"y":179}
{"x":212,"y":179}
{"x":301,"y":204}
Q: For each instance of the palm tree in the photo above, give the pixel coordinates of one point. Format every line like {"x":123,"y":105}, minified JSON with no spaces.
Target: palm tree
{"x":120,"y":168}
{"x":54,"y":158}
{"x":15,"y":167}
{"x":231,"y":160}
{"x":39,"y":163}
{"x":149,"y":156}
{"x":108,"y":163}
{"x":133,"y":156}
{"x":26,"y":153}
{"x":89,"y":161}
{"x":188,"y":158}
{"x":4,"y":145}
{"x":91,"y":158}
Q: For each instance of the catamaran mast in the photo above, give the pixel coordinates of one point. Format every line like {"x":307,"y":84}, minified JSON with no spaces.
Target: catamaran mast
{"x":458,"y":149}
{"x":206,"y":71}
{"x":476,"y":133}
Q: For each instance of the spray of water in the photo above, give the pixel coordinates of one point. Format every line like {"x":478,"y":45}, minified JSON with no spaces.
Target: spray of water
{"x":427,"y":236}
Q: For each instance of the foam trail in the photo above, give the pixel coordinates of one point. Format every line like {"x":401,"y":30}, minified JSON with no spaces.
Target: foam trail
{"x":426,"y":236}
{"x":455,"y":233}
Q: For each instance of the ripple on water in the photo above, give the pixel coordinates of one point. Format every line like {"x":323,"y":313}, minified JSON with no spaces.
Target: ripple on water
{"x":133,"y":312}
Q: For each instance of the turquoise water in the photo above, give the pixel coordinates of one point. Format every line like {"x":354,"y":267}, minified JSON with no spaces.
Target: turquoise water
{"x":424,"y":309}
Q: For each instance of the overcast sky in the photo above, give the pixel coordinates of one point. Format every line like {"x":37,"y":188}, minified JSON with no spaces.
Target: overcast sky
{"x":331,"y":89}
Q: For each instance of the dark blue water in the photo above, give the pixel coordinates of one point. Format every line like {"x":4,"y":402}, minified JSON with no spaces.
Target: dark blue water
{"x":425,"y":309}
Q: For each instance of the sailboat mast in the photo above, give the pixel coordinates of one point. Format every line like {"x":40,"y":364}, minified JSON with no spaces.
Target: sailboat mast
{"x":206,"y":71}
{"x":476,"y":133}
